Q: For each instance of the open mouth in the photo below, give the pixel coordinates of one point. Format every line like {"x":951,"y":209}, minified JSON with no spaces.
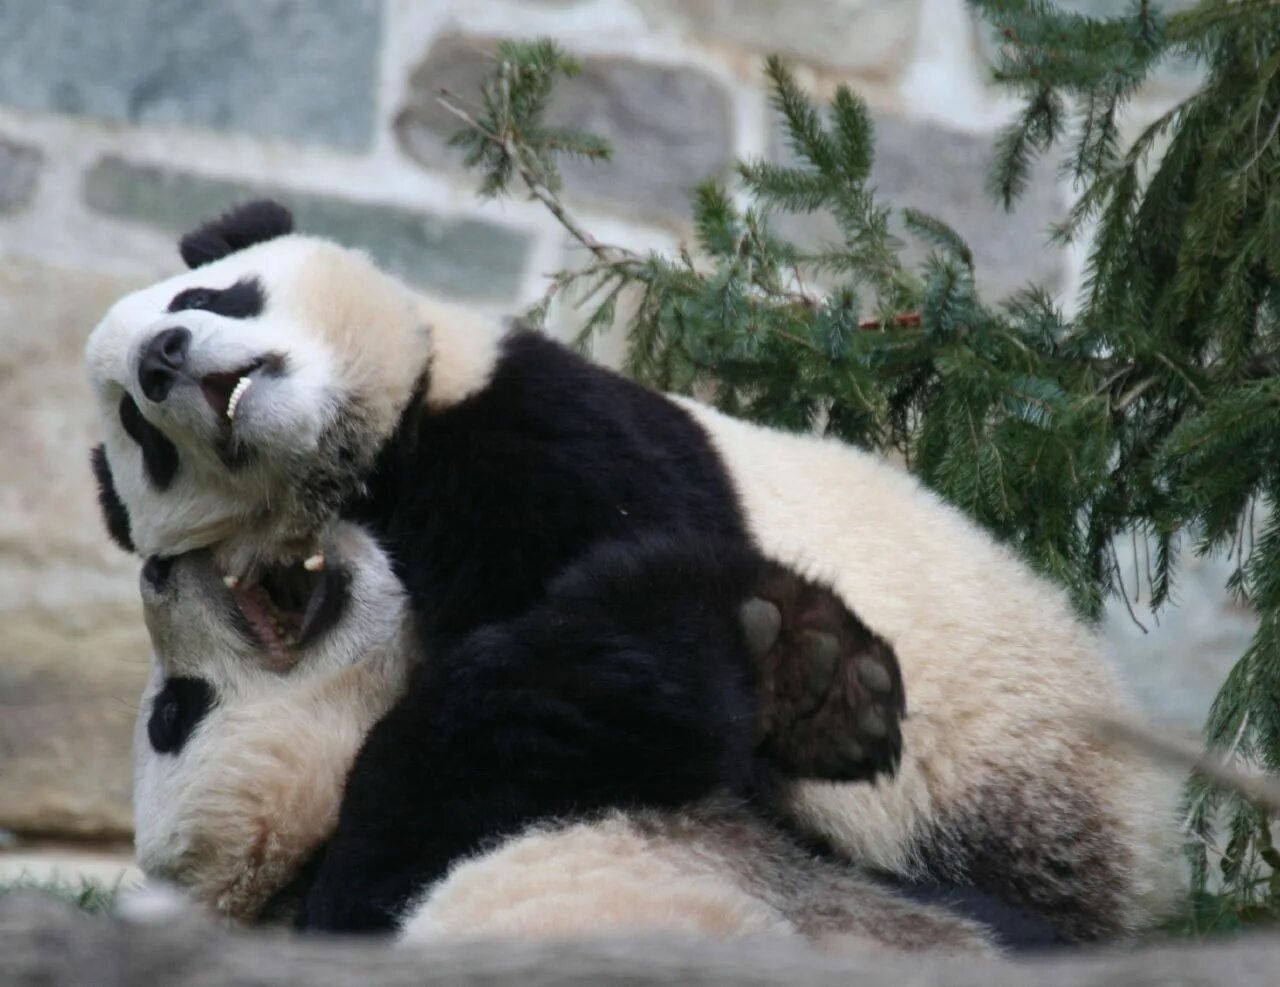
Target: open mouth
{"x":224,"y":391}
{"x":290,"y":606}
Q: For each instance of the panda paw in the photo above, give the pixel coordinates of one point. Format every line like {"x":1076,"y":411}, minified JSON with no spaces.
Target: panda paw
{"x":831,"y":693}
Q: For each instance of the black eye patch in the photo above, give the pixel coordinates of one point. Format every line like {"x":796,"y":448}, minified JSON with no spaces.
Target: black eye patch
{"x":243,"y":300}
{"x":114,"y":513}
{"x":176,"y":710}
{"x":159,"y":455}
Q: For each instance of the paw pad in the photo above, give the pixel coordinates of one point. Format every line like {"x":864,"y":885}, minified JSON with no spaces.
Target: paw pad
{"x":831,"y":690}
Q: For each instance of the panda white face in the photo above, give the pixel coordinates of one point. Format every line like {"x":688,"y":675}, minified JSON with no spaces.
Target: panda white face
{"x":242,"y":400}
{"x":240,"y":759}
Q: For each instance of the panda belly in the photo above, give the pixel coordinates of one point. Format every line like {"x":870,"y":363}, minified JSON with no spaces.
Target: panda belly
{"x":1003,"y":781}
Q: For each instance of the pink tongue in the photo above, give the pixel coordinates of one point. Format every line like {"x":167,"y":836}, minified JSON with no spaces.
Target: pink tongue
{"x":255,"y":612}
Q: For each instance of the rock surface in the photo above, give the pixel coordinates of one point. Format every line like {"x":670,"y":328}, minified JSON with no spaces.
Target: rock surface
{"x":302,"y":70}
{"x":19,"y":168}
{"x":45,"y":943}
{"x":470,"y":259}
{"x":670,"y":128}
{"x":73,"y":650}
{"x":867,"y":36}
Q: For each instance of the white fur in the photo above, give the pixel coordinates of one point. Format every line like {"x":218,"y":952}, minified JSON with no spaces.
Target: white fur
{"x":257,"y":785}
{"x":602,"y":878}
{"x":1002,"y":681}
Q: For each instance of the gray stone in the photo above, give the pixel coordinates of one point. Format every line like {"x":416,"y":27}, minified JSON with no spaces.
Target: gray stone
{"x":670,"y":127}
{"x":943,"y":172}
{"x":1174,"y":663}
{"x":303,"y":70}
{"x":468,"y":259}
{"x":19,"y":168}
{"x":69,"y":688}
{"x":868,"y":37}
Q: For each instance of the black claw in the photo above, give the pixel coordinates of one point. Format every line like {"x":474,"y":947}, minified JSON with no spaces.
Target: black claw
{"x":761,"y":622}
{"x":874,"y":675}
{"x":823,"y":650}
{"x":872,"y":724}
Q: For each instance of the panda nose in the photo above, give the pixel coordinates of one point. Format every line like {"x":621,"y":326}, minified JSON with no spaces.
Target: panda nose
{"x":156,"y":571}
{"x":162,"y":358}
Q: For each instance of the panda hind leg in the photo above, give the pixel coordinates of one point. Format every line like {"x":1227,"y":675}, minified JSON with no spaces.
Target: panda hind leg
{"x":831,"y":692}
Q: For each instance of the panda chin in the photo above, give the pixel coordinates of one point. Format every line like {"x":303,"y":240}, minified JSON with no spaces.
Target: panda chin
{"x":290,"y":607}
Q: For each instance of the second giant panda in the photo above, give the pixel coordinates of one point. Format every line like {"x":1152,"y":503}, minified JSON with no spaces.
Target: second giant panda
{"x":285,"y":379}
{"x":240,"y":764}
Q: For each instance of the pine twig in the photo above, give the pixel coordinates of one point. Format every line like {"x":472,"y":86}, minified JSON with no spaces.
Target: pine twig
{"x":1261,"y":790}
{"x":610,"y":253}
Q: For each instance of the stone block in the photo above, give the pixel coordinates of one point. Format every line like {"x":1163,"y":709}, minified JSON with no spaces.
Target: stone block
{"x":943,"y":172}
{"x":469,"y":259}
{"x":865,"y":37}
{"x":1173,"y":663}
{"x":69,"y":688}
{"x":301,"y":70}
{"x":670,"y":127}
{"x":19,"y":169}
{"x":73,"y":651}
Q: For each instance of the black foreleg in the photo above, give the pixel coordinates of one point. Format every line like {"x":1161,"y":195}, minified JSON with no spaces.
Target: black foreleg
{"x":629,"y":686}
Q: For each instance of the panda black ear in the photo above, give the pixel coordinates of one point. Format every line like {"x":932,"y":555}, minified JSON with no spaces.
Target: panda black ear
{"x":239,"y":227}
{"x":114,"y":513}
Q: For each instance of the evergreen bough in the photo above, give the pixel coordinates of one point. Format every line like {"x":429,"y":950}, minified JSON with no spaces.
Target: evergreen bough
{"x":1151,"y":418}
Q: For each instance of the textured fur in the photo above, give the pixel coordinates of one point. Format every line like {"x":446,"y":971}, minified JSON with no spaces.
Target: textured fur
{"x":710,"y":869}
{"x":234,"y":810}
{"x":1036,"y":809}
{"x":628,"y":686}
{"x":233,"y":813}
{"x":489,"y":459}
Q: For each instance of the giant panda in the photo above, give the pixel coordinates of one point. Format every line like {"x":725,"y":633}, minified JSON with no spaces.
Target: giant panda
{"x":284,"y":380}
{"x":239,"y":766}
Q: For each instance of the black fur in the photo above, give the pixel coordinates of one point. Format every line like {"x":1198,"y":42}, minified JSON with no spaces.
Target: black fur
{"x":176,"y":711}
{"x":156,"y":571}
{"x":243,"y":226}
{"x":538,"y":707}
{"x":626,"y":686}
{"x":114,"y":514}
{"x":159,"y":455}
{"x":1045,"y":876}
{"x":482,"y":504}
{"x":1013,"y":928}
{"x":243,"y":300}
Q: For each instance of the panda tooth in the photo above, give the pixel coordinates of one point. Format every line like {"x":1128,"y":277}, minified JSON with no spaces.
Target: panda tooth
{"x":314,"y":563}
{"x":231,"y":582}
{"x":242,"y":385}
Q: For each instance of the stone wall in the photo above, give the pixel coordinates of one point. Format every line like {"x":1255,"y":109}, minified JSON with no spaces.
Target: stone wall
{"x":122,"y":123}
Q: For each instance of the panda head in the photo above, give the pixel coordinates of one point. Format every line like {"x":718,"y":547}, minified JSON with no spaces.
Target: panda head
{"x":240,"y":760}
{"x":242,"y":400}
